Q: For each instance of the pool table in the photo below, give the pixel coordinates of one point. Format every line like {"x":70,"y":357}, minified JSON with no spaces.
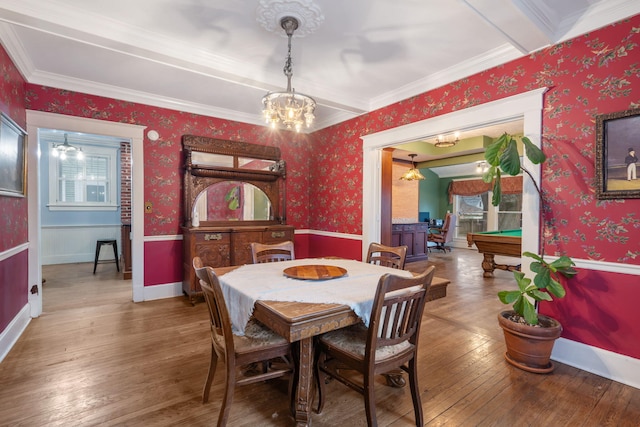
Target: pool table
{"x":491,"y":243}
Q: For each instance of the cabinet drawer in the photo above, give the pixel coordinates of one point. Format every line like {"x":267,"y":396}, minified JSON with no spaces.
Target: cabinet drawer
{"x":273,"y":236}
{"x":213,"y":237}
{"x":396,"y":227}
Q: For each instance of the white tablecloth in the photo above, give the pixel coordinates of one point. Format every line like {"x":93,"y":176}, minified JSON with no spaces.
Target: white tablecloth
{"x":247,"y":284}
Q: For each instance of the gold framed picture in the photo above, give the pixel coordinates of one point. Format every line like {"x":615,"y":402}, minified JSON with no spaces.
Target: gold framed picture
{"x":617,"y":155}
{"x":13,"y":164}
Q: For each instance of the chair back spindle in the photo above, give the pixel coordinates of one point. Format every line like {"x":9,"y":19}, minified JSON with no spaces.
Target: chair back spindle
{"x":262,"y":252}
{"x":387,"y":256}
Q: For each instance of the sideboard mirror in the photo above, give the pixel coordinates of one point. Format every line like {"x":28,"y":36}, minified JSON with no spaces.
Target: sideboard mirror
{"x":232,"y":201}
{"x":232,"y":182}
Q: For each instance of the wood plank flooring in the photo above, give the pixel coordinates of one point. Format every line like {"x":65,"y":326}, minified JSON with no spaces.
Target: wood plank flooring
{"x":96,"y":358}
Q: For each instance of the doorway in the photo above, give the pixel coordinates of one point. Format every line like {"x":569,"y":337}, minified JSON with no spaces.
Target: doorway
{"x":38,"y":120}
{"x":526,"y":106}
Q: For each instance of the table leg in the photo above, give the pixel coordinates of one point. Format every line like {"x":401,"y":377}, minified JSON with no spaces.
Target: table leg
{"x":304,"y":383}
{"x":488,"y":265}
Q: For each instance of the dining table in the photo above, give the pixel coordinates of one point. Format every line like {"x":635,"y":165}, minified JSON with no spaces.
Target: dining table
{"x":300,"y":299}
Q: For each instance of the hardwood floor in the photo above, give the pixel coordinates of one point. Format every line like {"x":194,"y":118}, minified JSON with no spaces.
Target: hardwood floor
{"x":96,"y":358}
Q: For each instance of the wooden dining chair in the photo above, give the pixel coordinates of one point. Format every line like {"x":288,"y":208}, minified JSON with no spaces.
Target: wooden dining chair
{"x":392,"y":257}
{"x":262,"y":252}
{"x":390,"y":341}
{"x":260,"y":346}
{"x":387,"y":256}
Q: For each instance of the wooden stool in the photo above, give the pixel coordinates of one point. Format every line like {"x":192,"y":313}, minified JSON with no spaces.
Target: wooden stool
{"x":112,"y":242}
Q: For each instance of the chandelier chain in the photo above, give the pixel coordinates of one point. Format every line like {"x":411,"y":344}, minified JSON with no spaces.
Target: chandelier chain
{"x":288,"y":66}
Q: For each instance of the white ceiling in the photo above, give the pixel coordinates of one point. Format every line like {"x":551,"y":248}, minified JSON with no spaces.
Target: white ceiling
{"x":212,"y":57}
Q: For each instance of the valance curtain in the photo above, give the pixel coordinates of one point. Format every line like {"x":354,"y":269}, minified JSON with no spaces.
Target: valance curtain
{"x":473,"y":187}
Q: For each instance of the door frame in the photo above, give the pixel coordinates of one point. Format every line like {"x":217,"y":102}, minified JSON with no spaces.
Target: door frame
{"x":133,"y":133}
{"x":527,"y":106}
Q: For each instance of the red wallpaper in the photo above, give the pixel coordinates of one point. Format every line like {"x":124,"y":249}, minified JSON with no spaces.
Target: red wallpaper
{"x":13,"y":210}
{"x":163,"y":158}
{"x":593,"y":74}
{"x":13,"y":287}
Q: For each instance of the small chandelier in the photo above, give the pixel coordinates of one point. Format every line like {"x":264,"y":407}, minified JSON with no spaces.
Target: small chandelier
{"x":482,"y":167}
{"x":62,"y":150}
{"x":291,"y":108}
{"x":412,"y":174}
{"x":443,"y":143}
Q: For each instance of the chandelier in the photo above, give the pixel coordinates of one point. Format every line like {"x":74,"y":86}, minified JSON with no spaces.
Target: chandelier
{"x":291,"y":108}
{"x":62,"y":150}
{"x":412,"y":174}
{"x":482,"y":167}
{"x":443,"y":143}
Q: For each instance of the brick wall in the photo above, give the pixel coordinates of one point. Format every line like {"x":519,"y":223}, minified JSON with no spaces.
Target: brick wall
{"x":125,"y":182}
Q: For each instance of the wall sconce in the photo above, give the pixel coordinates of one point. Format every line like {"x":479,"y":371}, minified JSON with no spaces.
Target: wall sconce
{"x":443,"y":143}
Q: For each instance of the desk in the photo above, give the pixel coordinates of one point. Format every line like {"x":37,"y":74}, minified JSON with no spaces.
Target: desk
{"x":491,"y":243}
{"x":301,"y":321}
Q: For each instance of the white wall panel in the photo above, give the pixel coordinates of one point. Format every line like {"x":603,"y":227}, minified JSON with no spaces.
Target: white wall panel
{"x":69,"y":244}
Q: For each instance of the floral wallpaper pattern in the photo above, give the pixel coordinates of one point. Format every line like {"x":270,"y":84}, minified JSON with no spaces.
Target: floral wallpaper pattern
{"x":593,"y":74}
{"x":163,"y":158}
{"x":13,"y":210}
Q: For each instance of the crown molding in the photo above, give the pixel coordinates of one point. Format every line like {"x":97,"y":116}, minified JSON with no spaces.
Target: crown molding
{"x":108,"y":91}
{"x":16,"y":51}
{"x":493,"y":58}
{"x":85,"y":27}
{"x":540,"y":16}
{"x":596,"y":17}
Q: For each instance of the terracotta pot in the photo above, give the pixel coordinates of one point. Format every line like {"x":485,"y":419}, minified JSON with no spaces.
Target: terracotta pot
{"x":529,"y":347}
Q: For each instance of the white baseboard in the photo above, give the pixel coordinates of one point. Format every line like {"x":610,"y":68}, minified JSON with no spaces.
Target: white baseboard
{"x":607,"y":364}
{"x":168,"y":290}
{"x":12,"y":332}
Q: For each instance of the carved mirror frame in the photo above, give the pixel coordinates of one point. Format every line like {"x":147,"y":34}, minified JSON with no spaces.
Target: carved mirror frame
{"x":198,"y":175}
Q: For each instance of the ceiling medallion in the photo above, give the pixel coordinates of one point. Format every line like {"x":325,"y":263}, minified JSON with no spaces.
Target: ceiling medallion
{"x":308,"y":14}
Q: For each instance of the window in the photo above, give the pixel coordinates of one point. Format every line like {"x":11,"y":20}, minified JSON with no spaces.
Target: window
{"x":84,"y":184}
{"x":472,"y":213}
{"x":477,"y":214}
{"x":510,"y":212}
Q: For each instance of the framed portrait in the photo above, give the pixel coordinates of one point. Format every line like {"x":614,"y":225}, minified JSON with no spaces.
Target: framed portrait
{"x":13,"y":166}
{"x":617,"y":155}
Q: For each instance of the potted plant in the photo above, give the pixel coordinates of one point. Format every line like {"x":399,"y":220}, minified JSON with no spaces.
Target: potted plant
{"x":529,"y":336}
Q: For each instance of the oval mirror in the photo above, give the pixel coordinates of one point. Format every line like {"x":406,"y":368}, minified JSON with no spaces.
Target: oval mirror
{"x":232,"y":201}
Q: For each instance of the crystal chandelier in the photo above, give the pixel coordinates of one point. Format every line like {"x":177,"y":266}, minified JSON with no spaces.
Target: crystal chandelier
{"x":291,"y":108}
{"x":412,"y":174}
{"x":443,"y":143}
{"x":62,"y":150}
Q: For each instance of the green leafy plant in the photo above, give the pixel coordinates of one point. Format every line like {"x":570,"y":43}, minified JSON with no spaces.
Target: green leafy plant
{"x":503,"y":158}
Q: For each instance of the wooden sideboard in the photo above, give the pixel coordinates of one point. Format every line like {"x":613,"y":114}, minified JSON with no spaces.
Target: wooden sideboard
{"x":414,"y":236}
{"x":222,"y":247}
